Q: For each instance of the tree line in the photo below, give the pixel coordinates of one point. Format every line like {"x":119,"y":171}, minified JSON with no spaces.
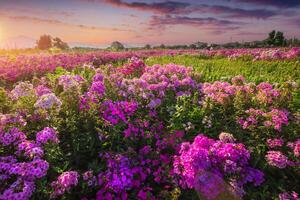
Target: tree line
{"x":274,"y":39}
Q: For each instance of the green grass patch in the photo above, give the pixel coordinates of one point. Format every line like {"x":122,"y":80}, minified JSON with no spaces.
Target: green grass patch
{"x":214,"y":69}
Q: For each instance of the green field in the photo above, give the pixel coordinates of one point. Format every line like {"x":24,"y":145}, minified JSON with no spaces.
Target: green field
{"x":214,"y":69}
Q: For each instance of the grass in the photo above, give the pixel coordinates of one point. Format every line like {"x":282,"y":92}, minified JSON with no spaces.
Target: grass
{"x":214,"y":69}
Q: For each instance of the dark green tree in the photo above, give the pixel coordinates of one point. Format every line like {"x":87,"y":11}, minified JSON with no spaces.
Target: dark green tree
{"x":279,"y":39}
{"x":271,"y":38}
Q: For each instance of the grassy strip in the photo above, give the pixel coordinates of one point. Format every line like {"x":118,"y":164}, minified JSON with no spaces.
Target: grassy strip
{"x":214,"y":69}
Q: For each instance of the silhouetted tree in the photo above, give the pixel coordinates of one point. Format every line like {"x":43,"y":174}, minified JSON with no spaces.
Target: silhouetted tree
{"x":58,"y":43}
{"x":193,"y":46}
{"x":45,"y":42}
{"x":162,"y":46}
{"x":279,"y":39}
{"x":117,"y":45}
{"x":271,"y":38}
{"x":147,"y":46}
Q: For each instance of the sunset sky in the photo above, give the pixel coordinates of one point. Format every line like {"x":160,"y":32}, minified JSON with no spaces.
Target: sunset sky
{"x":134,"y":22}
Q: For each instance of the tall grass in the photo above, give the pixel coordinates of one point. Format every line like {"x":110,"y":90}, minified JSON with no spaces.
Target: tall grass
{"x":214,"y":69}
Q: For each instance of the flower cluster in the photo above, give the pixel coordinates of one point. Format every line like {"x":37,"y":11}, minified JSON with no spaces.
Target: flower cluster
{"x":136,"y":67}
{"x":275,"y":118}
{"x":118,"y":177}
{"x":262,"y":94}
{"x":96,"y":91}
{"x":64,"y":183}
{"x":266,"y":93}
{"x":220,"y":92}
{"x":114,"y":112}
{"x":20,"y":171}
{"x":46,"y":135}
{"x":277,"y":142}
{"x":277,"y":159}
{"x":89,"y":178}
{"x":281,"y":158}
{"x":41,"y":90}
{"x":69,"y":81}
{"x":47,"y":101}
{"x":8,"y":120}
{"x":296,"y":148}
{"x":210,"y":161}
{"x":22,"y":89}
{"x":158,"y":80}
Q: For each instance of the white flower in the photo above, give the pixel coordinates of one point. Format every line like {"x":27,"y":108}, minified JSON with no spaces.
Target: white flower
{"x":22,"y":89}
{"x":47,"y":101}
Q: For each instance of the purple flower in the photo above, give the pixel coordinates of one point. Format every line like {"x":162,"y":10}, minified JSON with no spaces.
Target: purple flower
{"x":206,"y":156}
{"x":46,"y":135}
{"x":98,"y":88}
{"x":41,"y":90}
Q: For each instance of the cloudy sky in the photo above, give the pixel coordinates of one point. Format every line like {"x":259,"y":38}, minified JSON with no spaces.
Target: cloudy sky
{"x":137,"y":22}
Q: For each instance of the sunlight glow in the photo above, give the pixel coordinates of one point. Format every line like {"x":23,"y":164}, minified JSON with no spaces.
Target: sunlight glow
{"x":1,"y":34}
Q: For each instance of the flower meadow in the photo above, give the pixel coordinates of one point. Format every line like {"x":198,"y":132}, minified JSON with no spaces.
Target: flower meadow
{"x":89,"y":130}
{"x":24,"y":67}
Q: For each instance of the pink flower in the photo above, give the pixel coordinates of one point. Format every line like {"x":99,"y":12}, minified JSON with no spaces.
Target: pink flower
{"x":276,"y":159}
{"x":277,"y":142}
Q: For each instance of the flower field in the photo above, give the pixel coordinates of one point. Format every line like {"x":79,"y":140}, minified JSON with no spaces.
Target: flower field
{"x":22,"y":67}
{"x":159,"y":124}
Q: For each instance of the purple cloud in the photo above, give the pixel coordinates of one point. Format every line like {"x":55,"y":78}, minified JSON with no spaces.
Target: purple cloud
{"x":236,"y":12}
{"x":209,"y":23}
{"x":175,"y":7}
{"x":276,"y":3}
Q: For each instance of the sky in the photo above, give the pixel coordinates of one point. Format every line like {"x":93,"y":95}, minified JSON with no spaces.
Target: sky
{"x":138,"y":22}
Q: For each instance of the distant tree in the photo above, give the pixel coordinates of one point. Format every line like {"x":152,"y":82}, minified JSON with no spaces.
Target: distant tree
{"x":201,"y":45}
{"x":279,"y":39}
{"x":45,"y":42}
{"x":58,"y":43}
{"x":193,"y":46}
{"x":147,"y":46}
{"x":117,"y":45}
{"x":162,"y":46}
{"x":271,"y":38}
